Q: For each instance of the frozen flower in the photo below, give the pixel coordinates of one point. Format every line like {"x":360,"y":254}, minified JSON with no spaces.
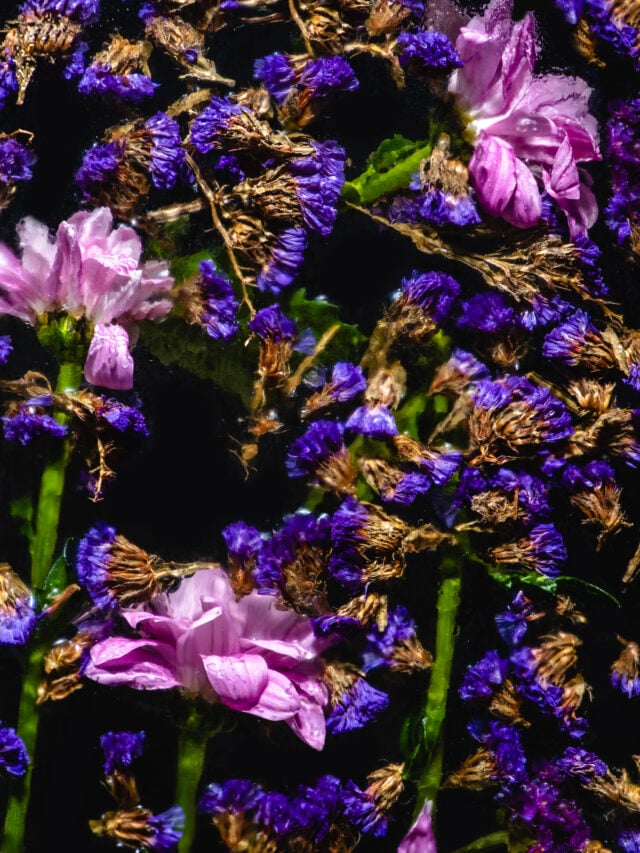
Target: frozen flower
{"x":528,"y":131}
{"x":88,"y":270}
{"x":250,"y":654}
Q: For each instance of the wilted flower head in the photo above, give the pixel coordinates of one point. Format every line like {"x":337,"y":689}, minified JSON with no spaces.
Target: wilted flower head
{"x":249,"y":654}
{"x":88,"y":270}
{"x":528,"y":130}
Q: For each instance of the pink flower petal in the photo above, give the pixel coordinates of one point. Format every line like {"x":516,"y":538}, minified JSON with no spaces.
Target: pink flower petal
{"x":493,"y":171}
{"x":525,"y":208}
{"x":239,"y":681}
{"x":309,"y":724}
{"x":141,"y":664}
{"x":420,"y":838}
{"x":109,"y":363}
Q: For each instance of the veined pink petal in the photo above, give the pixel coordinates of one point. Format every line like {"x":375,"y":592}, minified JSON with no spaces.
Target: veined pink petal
{"x":518,"y":61}
{"x":525,"y":207}
{"x":142,"y":664}
{"x":563,"y":180}
{"x":420,"y":838}
{"x":279,"y":700}
{"x":109,"y":362}
{"x":19,"y":292}
{"x":493,"y":171}
{"x":239,"y":681}
{"x":38,"y":253}
{"x":309,"y":723}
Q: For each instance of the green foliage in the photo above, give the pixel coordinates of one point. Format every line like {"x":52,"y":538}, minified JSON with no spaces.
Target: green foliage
{"x":389,"y":169}
{"x":175,"y":342}
{"x":54,"y":583}
{"x":408,"y":415}
{"x":319,"y":316}
{"x":512,"y":580}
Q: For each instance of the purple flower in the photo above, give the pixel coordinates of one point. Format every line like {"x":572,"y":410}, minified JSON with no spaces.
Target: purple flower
{"x":90,"y":270}
{"x":361,"y":809}
{"x":321,"y":441}
{"x":382,"y":643}
{"x":276,"y":73}
{"x":319,"y":179}
{"x":328,"y":74}
{"x":84,"y":11}
{"x":529,"y":130}
{"x":121,"y":749}
{"x":481,"y":679}
{"x":17,"y":608}
{"x":93,"y":558}
{"x":16,"y":161}
{"x":435,"y":293}
{"x":99,"y":79}
{"x":249,"y":654}
{"x":271,"y":324}
{"x":420,"y":838}
{"x":208,"y":127}
{"x":372,"y":421}
{"x":220,"y":306}
{"x":166,"y":829}
{"x":356,"y":706}
{"x":13,"y":753}
{"x":166,"y":157}
{"x":29,"y":423}
{"x":487,"y":312}
{"x":431,"y":49}
{"x":100,"y":165}
{"x":6,"y":348}
{"x":287,"y":254}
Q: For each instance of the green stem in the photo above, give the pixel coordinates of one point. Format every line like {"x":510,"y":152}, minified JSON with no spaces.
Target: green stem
{"x":370,"y":185}
{"x":436,"y":705}
{"x":42,"y":550}
{"x":191,"y":754}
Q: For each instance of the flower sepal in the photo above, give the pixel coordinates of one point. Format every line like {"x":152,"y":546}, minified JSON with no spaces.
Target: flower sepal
{"x":66,"y":338}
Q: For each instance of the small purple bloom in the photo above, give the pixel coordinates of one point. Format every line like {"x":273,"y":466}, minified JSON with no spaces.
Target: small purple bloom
{"x":482,"y":679}
{"x":372,"y":421}
{"x":16,"y":161}
{"x":220,"y":304}
{"x":319,"y":179}
{"x":271,"y":324}
{"x":287,"y":254}
{"x":328,"y":74}
{"x":28,"y":424}
{"x":100,"y":165}
{"x":6,"y":348}
{"x":431,"y":49}
{"x":208,"y":127}
{"x":13,"y":753}
{"x":322,"y":440}
{"x":166,"y":829}
{"x":381,"y":643}
{"x":276,"y":74}
{"x":434,"y":292}
{"x":121,"y":749}
{"x":487,"y":312}
{"x":98,"y":79}
{"x":93,"y":557}
{"x":362,"y":811}
{"x":167,"y":157}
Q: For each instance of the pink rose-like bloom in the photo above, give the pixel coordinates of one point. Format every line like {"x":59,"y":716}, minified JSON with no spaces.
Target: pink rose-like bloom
{"x":420,"y":838}
{"x":89,"y":269}
{"x":527,"y":130}
{"x":248,"y":654}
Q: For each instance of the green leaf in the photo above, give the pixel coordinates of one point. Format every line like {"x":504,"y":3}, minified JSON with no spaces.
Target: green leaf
{"x":56,"y":581}
{"x":590,"y":587}
{"x":390,"y":169}
{"x":319,"y":315}
{"x":187,"y":266}
{"x":408,"y":414}
{"x":511,"y":579}
{"x":228,"y":364}
{"x":22,"y":511}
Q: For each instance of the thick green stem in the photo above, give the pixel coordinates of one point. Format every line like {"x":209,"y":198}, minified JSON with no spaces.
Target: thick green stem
{"x":370,"y":185}
{"x":191,"y":754}
{"x":42,"y":550}
{"x":436,"y":704}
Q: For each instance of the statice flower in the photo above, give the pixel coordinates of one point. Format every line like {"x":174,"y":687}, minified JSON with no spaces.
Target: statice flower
{"x":319,"y":77}
{"x":285,"y":259}
{"x":89,"y":270}
{"x":13,"y":753}
{"x":354,"y":702}
{"x":6,"y":348}
{"x":374,"y":421}
{"x":321,"y":453}
{"x":121,"y":749}
{"x":213,"y":304}
{"x":116,"y":72}
{"x":431,"y":49}
{"x":271,"y":324}
{"x":30,"y":421}
{"x":319,"y":179}
{"x":625,"y":671}
{"x":16,"y":161}
{"x":529,"y":131}
{"x":249,"y":654}
{"x":17,"y":608}
{"x":623,"y":126}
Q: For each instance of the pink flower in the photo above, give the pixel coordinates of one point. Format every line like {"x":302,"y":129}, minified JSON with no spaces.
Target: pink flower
{"x":88,"y":270}
{"x":248,"y":654}
{"x":528,"y":131}
{"x":420,"y":837}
